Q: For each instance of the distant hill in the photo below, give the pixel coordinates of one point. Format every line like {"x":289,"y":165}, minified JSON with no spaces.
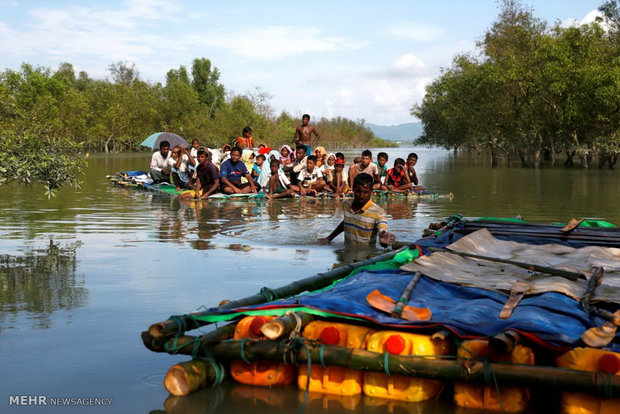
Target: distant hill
{"x":402,"y":132}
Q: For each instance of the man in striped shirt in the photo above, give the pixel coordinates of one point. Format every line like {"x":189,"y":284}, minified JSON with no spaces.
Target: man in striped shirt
{"x":363,"y":219}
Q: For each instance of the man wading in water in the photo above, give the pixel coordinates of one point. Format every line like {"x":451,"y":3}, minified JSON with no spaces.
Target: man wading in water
{"x":304,"y":132}
{"x":363,"y":219}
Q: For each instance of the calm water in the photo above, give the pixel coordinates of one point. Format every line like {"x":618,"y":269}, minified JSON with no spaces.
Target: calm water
{"x":83,"y":274}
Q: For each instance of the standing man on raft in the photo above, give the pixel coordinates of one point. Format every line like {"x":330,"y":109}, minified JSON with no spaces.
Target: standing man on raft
{"x":303,"y":134}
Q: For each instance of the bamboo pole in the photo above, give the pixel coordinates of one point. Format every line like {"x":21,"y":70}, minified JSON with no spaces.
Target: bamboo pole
{"x":607,"y":237}
{"x":284,"y":325}
{"x":533,"y":267}
{"x":187,"y":343}
{"x":397,"y":312}
{"x":438,"y":369}
{"x":595,"y":279}
{"x":187,"y":377}
{"x":318,"y":281}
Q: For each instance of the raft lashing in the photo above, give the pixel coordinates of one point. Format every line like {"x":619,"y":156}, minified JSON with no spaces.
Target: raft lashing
{"x":135,"y":180}
{"x":501,"y":315}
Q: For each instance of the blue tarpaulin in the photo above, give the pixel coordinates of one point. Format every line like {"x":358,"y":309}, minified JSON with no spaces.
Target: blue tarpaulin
{"x":550,"y":318}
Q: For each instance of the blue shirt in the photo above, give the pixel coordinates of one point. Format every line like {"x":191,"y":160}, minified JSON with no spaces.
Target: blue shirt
{"x":233,"y":172}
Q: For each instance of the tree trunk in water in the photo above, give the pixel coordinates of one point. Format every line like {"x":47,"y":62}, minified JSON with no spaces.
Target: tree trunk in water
{"x":523,"y":159}
{"x":569,"y":159}
{"x":493,"y":158}
{"x":107,"y":142}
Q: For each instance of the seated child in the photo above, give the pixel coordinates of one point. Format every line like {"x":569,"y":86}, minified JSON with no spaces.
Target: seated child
{"x":298,"y":164}
{"x":286,"y":155}
{"x":382,"y":159}
{"x":258,"y":165}
{"x":321,"y":155}
{"x":179,"y":164}
{"x":365,"y":166}
{"x":194,"y":151}
{"x":338,"y":183}
{"x":275,"y":183}
{"x":412,"y":160}
{"x":397,"y":177}
{"x":205,"y":180}
{"x":310,"y":179}
{"x":328,"y":168}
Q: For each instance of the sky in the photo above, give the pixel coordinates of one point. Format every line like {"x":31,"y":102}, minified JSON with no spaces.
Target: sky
{"x":359,"y":59}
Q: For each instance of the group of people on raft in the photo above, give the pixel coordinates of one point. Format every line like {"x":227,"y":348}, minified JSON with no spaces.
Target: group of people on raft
{"x":240,"y":169}
{"x":284,"y":173}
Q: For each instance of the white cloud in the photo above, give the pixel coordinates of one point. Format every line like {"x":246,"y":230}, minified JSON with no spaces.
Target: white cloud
{"x":273,"y":42}
{"x":591,"y":17}
{"x":417,"y":32}
{"x":408,"y":62}
{"x":341,"y":103}
{"x":133,"y":34}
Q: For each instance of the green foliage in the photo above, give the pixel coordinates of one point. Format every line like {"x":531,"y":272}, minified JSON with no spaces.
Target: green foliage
{"x":48,"y":118}
{"x":29,"y":158}
{"x":206,"y":83}
{"x":535,"y":91}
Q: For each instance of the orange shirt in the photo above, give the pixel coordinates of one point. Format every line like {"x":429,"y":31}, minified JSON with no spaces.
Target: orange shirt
{"x":244,"y":142}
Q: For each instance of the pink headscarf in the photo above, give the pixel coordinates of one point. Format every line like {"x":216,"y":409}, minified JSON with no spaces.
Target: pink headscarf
{"x":290,"y":157}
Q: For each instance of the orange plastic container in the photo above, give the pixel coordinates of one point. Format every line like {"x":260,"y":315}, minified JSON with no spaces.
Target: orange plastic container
{"x":262,"y":373}
{"x":334,"y":380}
{"x":513,"y":399}
{"x":590,"y":359}
{"x":400,"y":387}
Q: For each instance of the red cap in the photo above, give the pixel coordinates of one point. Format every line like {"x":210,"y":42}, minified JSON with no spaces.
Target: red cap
{"x":330,"y":336}
{"x":339,"y":161}
{"x":256,"y":324}
{"x":395,"y":344}
{"x":609,"y":364}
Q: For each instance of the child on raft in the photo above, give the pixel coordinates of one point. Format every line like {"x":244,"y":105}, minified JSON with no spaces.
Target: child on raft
{"x":275,"y":183}
{"x":397,"y":178}
{"x":310,"y":180}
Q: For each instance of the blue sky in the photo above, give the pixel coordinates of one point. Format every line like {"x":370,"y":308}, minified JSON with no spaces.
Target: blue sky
{"x":358,"y":59}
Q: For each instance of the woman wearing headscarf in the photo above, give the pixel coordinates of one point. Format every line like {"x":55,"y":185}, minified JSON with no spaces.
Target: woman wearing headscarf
{"x":328,"y":168}
{"x":321,"y":155}
{"x":286,"y":155}
{"x":247,"y":156}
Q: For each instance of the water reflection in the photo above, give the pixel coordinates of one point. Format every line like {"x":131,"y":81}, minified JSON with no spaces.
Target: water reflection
{"x":281,"y":222}
{"x":235,"y":398}
{"x":39,"y":282}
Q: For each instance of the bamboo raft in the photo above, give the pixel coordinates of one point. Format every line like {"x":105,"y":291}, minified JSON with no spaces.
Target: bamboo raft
{"x":279,"y":340}
{"x":170,"y":190}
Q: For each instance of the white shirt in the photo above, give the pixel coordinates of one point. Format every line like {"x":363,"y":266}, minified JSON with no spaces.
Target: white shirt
{"x":284,"y":181}
{"x":158,"y":162}
{"x":308,"y":178}
{"x":182,"y":170}
{"x":194,"y":153}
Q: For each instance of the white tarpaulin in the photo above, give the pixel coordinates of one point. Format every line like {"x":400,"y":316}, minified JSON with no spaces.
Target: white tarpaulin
{"x":452,"y":268}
